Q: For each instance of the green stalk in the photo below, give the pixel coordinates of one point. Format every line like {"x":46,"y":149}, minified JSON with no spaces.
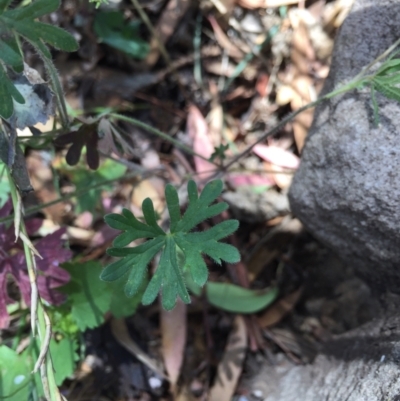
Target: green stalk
{"x":76,"y":194}
{"x":47,"y":371}
{"x":57,"y":88}
{"x":161,"y":134}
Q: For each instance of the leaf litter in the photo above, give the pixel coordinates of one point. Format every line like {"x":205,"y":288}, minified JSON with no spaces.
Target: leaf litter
{"x":242,"y":87}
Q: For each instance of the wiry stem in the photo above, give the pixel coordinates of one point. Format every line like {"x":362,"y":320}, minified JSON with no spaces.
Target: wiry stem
{"x":38,"y":312}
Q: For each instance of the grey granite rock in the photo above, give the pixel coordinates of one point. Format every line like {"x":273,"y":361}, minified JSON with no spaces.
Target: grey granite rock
{"x":363,"y":365}
{"x":347,"y":189}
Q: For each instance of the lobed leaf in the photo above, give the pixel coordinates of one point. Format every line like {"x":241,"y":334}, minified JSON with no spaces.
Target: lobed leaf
{"x":8,"y":92}
{"x":199,"y":209}
{"x":54,"y":36}
{"x":33,"y":10}
{"x":10,"y":52}
{"x":171,"y":196}
{"x":181,"y":250}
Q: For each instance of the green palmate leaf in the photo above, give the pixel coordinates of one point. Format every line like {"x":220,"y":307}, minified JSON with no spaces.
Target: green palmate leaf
{"x":8,"y":92}
{"x":89,"y":297}
{"x":181,"y":250}
{"x":65,"y":356}
{"x":9,"y":50}
{"x":14,"y":375}
{"x":33,"y":10}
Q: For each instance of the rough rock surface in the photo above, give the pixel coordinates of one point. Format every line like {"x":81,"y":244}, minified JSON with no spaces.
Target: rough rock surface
{"x":362,"y":365}
{"x":347,"y":194}
{"x":347,"y":190}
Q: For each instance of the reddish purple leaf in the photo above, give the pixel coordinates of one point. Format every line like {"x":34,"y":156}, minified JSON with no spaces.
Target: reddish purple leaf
{"x":50,"y":274}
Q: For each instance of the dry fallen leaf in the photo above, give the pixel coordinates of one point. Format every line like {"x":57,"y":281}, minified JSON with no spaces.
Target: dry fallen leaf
{"x":240,"y":179}
{"x":282,"y":176}
{"x":224,"y":41}
{"x":252,"y":4}
{"x":149,"y":188}
{"x":172,"y":14}
{"x":276,"y":312}
{"x":173,"y":329}
{"x":230,"y":367}
{"x":278,"y":156}
{"x":120,"y":332}
{"x":198,"y":131}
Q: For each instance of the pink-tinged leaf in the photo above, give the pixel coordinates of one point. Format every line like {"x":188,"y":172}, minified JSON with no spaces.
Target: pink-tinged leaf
{"x":173,"y":328}
{"x":230,"y":367}
{"x":238,"y":180}
{"x":198,"y":131}
{"x":278,"y":156}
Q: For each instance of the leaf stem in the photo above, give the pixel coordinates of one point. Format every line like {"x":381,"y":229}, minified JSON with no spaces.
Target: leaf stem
{"x":161,"y":134}
{"x":34,"y":209}
{"x":37,"y":310}
{"x":56,"y":84}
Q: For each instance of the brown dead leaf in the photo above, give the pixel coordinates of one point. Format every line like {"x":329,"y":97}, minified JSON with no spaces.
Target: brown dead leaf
{"x":223,"y":40}
{"x":301,"y":125}
{"x":276,"y":312}
{"x":230,"y":367}
{"x":252,"y":4}
{"x":284,"y":95}
{"x":301,"y":40}
{"x":282,"y":176}
{"x":172,"y":14}
{"x":173,"y":329}
{"x":120,"y":332}
{"x":336,"y":12}
{"x":41,"y":177}
{"x":149,"y":188}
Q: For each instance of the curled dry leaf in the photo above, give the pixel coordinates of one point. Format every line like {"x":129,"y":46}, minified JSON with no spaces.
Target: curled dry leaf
{"x":230,"y":367}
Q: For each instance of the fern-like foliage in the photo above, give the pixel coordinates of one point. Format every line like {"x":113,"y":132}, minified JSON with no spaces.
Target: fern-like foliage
{"x":21,"y":23}
{"x":168,"y":277}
